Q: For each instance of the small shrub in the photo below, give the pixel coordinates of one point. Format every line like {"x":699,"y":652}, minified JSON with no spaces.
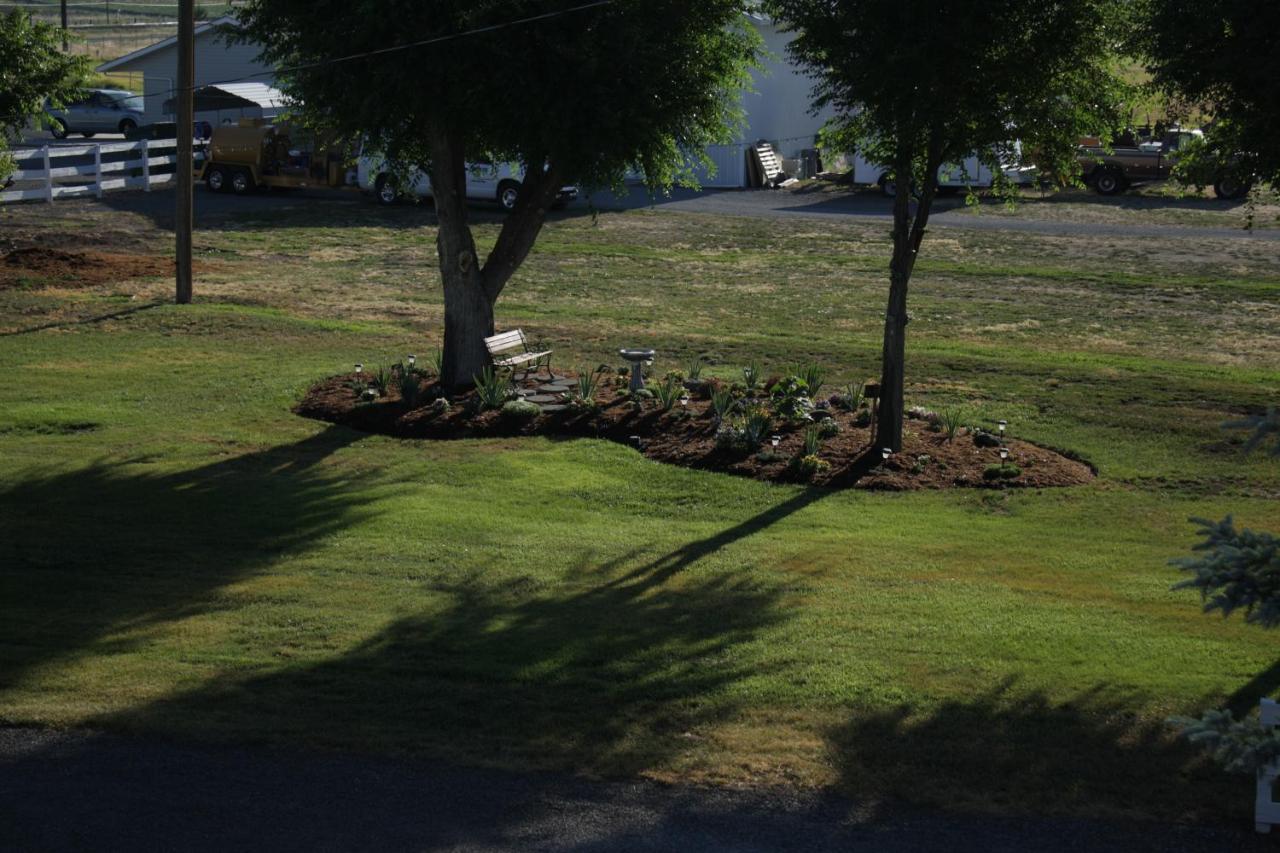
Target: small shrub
{"x":723,"y":403}
{"x":751,"y":376}
{"x":756,"y":424}
{"x":439,"y":406}
{"x":695,"y":368}
{"x":850,"y":399}
{"x":769,"y":456}
{"x":410,"y":388}
{"x":381,"y":380}
{"x":669,"y":392}
{"x":588,"y":381}
{"x":1001,"y":472}
{"x":863,"y":418}
{"x":828,"y":428}
{"x":492,"y":389}
{"x":642,"y":394}
{"x":808,"y":467}
{"x":813,"y":377}
{"x":812,"y":441}
{"x":950,"y":421}
{"x":520,"y":410}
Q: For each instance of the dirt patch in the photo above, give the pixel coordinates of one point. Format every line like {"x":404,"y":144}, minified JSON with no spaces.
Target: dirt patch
{"x":686,"y":436}
{"x":44,"y":267}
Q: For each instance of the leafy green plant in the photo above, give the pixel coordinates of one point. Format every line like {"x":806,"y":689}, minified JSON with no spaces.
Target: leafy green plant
{"x":695,"y":368}
{"x":492,"y":388}
{"x":1006,"y":471}
{"x":790,"y":399}
{"x":437,"y":361}
{"x":950,"y":421}
{"x":439,"y":406}
{"x":828,"y":428}
{"x":751,"y":376}
{"x":668,"y":392}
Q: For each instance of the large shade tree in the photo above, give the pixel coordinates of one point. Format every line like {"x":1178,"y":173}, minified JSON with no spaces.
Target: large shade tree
{"x":33,"y":69}
{"x":915,"y":84}
{"x":1219,"y":55}
{"x":578,"y":92}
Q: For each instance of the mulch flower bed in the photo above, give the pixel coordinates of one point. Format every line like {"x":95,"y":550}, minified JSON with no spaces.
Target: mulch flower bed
{"x":687,"y":435}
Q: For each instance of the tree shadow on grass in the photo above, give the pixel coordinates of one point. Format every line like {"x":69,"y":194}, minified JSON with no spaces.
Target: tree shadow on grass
{"x":1019,"y":751}
{"x":612,"y":670}
{"x":92,"y":552}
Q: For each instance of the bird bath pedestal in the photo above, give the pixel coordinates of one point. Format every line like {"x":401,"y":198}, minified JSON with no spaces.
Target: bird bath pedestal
{"x":638,"y":358}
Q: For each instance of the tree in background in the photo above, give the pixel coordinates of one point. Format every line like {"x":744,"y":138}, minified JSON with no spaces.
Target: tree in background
{"x":1220,"y":56}
{"x":578,"y":92}
{"x":1237,"y":570}
{"x":33,"y":69}
{"x":919,"y":83}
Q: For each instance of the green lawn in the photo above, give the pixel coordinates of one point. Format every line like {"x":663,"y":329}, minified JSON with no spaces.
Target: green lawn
{"x":182,"y":555}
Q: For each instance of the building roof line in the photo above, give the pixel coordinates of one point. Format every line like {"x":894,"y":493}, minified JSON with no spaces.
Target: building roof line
{"x":128,"y":58}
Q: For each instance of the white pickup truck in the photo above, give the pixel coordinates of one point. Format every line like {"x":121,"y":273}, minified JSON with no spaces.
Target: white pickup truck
{"x":952,"y":177}
{"x":485,"y":182}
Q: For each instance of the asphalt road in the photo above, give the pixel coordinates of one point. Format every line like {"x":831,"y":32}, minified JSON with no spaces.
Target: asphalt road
{"x":94,"y":792}
{"x":777,"y":204}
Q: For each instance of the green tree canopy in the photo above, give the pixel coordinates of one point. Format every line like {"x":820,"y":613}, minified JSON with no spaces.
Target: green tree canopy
{"x":579,"y":92}
{"x":1220,"y":55}
{"x":918,"y":83}
{"x":33,"y":68}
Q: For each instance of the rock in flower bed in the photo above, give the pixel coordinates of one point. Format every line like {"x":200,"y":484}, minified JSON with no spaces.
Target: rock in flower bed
{"x":684,"y":429}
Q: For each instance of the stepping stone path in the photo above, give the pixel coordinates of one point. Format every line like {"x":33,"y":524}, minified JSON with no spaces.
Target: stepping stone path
{"x":549,"y":395}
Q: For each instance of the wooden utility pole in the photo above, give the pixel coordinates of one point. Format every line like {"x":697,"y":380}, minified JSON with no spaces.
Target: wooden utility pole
{"x":184,"y":215}
{"x":64,"y":26}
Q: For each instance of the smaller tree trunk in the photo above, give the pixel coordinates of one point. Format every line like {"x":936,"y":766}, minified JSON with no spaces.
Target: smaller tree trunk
{"x":907,"y":236}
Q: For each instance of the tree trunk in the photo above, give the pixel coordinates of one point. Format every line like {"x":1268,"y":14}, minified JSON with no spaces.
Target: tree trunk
{"x":907,"y":235}
{"x":468,"y":310}
{"x":470,"y":289}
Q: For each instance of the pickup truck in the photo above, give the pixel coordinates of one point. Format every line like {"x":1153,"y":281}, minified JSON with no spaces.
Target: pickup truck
{"x":1153,"y":160}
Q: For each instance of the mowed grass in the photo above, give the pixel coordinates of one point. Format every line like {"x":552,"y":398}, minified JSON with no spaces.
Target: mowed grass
{"x":181,"y":555}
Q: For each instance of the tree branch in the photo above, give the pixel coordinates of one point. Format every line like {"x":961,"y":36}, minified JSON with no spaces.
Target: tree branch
{"x":520,"y":230}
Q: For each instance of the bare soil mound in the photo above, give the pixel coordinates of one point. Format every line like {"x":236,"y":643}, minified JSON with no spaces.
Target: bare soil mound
{"x":44,"y":267}
{"x":687,"y":435}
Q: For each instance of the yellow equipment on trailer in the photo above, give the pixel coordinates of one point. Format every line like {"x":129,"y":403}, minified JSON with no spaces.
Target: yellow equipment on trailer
{"x":253,"y":154}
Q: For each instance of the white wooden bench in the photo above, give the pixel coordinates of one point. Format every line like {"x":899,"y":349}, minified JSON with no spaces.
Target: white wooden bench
{"x":510,"y":349}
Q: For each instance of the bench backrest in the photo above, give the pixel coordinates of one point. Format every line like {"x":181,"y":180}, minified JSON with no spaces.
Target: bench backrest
{"x":506,"y":341}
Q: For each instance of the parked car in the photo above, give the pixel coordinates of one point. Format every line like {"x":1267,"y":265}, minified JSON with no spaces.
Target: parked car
{"x":498,"y":182}
{"x":99,"y":111}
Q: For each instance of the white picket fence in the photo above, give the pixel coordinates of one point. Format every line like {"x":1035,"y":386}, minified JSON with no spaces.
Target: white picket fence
{"x":90,"y":179}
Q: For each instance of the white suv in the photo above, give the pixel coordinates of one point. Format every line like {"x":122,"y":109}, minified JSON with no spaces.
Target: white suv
{"x":485,"y":182}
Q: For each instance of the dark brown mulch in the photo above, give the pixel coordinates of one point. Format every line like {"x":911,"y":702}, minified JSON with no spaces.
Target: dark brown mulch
{"x":927,"y":460}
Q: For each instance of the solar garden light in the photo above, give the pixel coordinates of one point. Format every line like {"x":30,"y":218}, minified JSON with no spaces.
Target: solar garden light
{"x":635,"y":442}
{"x":413,"y":359}
{"x":359,"y":368}
{"x":1004,"y":453}
{"x":1002,"y":425}
{"x":775,"y":440}
{"x":684,"y":400}
{"x":885,"y":453}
